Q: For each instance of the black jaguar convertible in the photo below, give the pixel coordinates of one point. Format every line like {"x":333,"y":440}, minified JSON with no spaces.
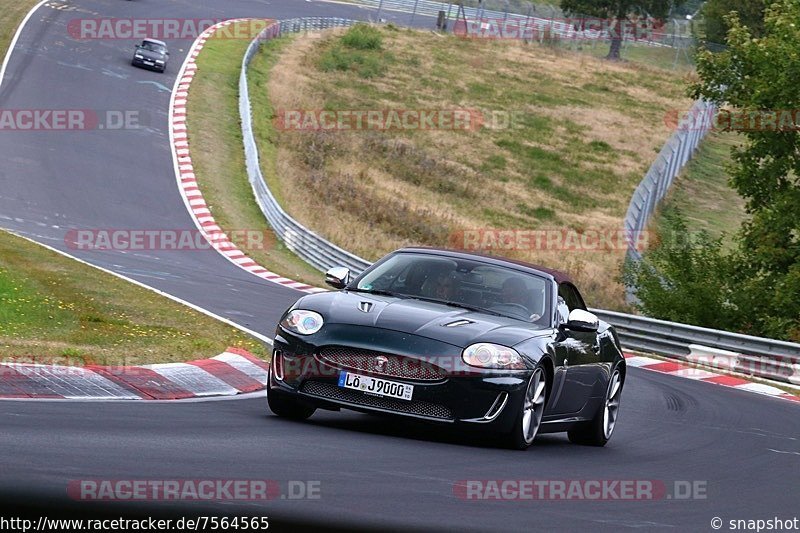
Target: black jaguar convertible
{"x":452,"y":338}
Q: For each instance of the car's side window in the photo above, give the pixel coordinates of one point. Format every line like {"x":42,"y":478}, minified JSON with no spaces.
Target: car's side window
{"x":571,"y":296}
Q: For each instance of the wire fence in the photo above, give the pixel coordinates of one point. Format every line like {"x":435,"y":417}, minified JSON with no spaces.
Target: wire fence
{"x":673,"y":157}
{"x":546,"y":23}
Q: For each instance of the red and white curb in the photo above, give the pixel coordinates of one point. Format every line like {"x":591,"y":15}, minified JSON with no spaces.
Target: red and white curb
{"x":673,"y":368}
{"x":187,"y":181}
{"x":230,"y":373}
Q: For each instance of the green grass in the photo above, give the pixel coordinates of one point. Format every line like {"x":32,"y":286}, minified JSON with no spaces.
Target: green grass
{"x":215,"y":137}
{"x":360,"y":50}
{"x":10,"y":17}
{"x":680,"y":61}
{"x":702,"y":192}
{"x":52,"y":306}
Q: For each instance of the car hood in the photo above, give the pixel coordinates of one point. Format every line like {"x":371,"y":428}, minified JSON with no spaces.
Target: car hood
{"x":458,"y":327}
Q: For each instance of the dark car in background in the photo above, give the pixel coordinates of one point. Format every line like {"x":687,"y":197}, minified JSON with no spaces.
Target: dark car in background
{"x":151,"y":54}
{"x":452,"y":338}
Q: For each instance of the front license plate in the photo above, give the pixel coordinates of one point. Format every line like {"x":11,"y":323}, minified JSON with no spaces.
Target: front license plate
{"x":149,"y":63}
{"x":377,"y":386}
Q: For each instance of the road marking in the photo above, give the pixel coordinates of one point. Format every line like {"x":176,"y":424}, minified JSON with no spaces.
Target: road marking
{"x":782,"y":451}
{"x":159,"y":86}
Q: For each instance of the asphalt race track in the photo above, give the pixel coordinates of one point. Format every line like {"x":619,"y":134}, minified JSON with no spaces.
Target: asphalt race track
{"x":53,"y":181}
{"x":740,"y":447}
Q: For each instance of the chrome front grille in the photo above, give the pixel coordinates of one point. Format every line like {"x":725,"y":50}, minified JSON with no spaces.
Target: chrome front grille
{"x":332,"y":392}
{"x":390,"y":365}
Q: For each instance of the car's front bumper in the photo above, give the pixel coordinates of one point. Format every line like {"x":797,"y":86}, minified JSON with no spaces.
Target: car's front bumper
{"x":488,"y":399}
{"x":148,"y":64}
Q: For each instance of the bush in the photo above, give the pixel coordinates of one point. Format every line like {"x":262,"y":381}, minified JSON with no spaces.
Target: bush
{"x":684,"y":278}
{"x":339,"y":58}
{"x":363,"y":37}
{"x":357,"y":50}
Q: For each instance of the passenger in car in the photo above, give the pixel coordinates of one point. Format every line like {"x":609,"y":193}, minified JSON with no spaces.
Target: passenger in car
{"x":445,"y":287}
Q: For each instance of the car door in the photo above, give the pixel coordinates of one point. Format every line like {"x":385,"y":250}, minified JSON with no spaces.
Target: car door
{"x":580,"y":350}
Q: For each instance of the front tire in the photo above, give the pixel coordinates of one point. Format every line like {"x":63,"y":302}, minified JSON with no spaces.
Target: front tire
{"x":599,"y":430}
{"x":285,"y":406}
{"x":530,"y":417}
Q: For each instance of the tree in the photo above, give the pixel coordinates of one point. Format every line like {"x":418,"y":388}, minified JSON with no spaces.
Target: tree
{"x":685,"y":278}
{"x":750,"y":12}
{"x":758,"y":77}
{"x":618,"y":13}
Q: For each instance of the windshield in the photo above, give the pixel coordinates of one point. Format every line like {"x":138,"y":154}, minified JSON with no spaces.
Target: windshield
{"x":153,"y":47}
{"x":465,"y":283}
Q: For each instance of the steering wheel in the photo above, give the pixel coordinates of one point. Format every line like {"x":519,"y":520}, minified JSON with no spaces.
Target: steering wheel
{"x":513,"y":308}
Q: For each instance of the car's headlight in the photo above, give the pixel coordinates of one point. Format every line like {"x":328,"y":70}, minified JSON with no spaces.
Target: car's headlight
{"x":302,"y":322}
{"x":159,"y":61}
{"x":487,"y":355}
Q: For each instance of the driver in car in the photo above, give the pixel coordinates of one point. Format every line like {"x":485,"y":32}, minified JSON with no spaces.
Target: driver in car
{"x":515,"y":292}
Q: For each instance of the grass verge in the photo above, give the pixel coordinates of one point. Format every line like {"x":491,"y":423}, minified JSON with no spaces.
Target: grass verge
{"x":215,"y":140}
{"x":565,"y":140}
{"x":10,"y":17}
{"x":702,"y":192}
{"x":54,"y":307}
{"x":680,"y":62}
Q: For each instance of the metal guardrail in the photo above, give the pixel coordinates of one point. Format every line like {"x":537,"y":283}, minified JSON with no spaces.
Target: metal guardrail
{"x":302,"y":241}
{"x":668,"y":165}
{"x":757,"y":356}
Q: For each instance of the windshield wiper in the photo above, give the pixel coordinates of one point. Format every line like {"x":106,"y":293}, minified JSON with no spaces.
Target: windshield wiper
{"x":460,"y":305}
{"x":378,"y":292}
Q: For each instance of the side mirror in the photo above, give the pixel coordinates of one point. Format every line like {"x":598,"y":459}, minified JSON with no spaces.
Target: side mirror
{"x":338,"y":277}
{"x":580,"y":320}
